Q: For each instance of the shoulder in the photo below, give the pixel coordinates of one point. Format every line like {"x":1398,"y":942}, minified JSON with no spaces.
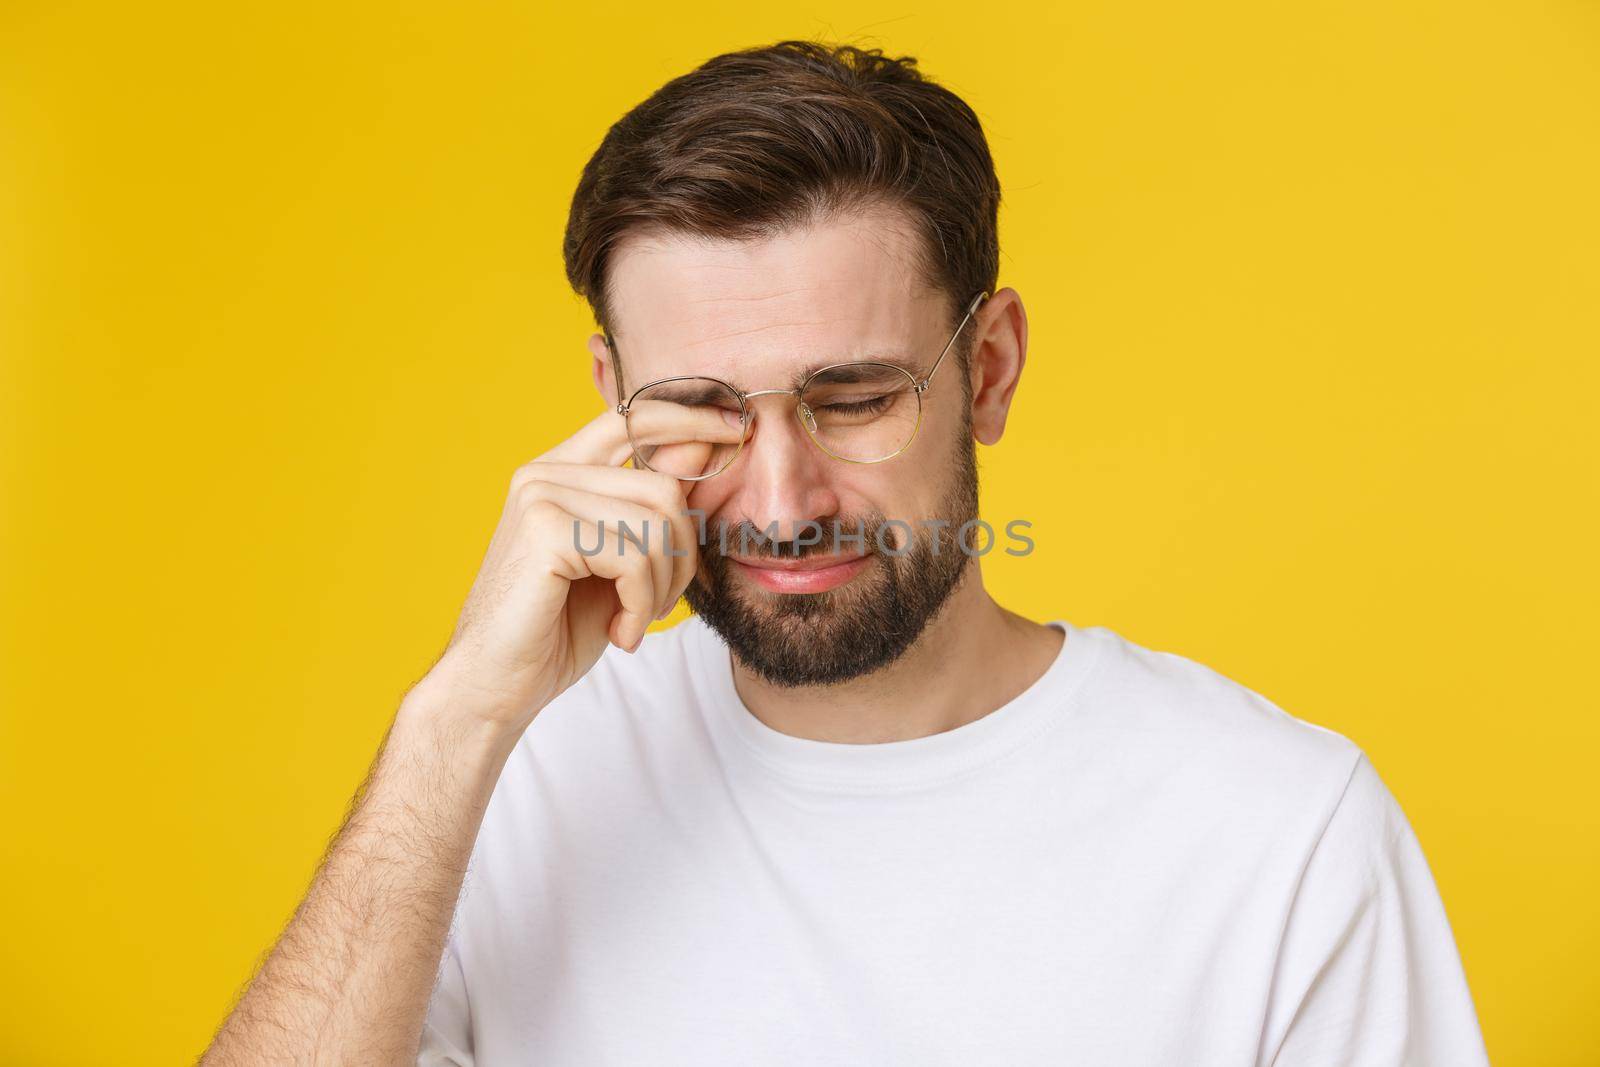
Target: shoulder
{"x":1186,"y":719}
{"x":1164,"y":690}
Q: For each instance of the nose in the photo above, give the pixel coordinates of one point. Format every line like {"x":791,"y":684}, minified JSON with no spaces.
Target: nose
{"x":782,"y":477}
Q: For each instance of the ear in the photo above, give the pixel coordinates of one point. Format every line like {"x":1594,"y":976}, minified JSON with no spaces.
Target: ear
{"x":603,"y":371}
{"x":998,"y":353}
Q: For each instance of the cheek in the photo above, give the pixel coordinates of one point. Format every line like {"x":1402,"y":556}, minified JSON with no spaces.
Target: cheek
{"x":915,"y":484}
{"x":918,"y":482}
{"x":898,"y":489}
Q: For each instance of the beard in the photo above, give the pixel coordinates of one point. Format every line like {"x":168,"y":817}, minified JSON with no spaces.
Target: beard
{"x":814,"y":639}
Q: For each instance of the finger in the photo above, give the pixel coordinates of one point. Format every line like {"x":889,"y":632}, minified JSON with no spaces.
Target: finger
{"x":604,"y":439}
{"x":683,"y":457}
{"x":648,"y":489}
{"x":630,"y":573}
{"x":600,"y":530}
{"x":659,"y":422}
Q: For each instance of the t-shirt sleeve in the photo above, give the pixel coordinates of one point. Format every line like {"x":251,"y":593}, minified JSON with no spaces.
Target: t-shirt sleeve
{"x":447,"y":1030}
{"x":1368,"y":973}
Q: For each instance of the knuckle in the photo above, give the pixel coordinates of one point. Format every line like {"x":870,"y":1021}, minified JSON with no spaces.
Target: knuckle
{"x":526,"y":495}
{"x":521,"y":478}
{"x":542,"y":512}
{"x":666,"y":485}
{"x":661,"y":490}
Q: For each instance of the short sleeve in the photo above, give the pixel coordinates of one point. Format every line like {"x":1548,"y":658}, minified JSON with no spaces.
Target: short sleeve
{"x":1368,"y":973}
{"x":447,"y":1030}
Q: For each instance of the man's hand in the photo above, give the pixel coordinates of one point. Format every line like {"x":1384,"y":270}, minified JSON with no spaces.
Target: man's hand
{"x":350,"y":978}
{"x":541,"y":609}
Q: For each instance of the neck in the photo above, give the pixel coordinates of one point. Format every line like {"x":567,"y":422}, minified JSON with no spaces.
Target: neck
{"x":974,"y":657}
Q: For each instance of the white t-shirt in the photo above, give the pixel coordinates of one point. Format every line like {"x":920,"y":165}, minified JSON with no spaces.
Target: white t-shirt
{"x":1135,"y":862}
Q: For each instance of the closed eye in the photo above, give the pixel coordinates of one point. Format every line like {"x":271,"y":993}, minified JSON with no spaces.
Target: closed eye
{"x":867,"y":406}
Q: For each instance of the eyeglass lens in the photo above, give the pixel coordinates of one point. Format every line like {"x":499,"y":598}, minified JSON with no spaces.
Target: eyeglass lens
{"x":859,"y":412}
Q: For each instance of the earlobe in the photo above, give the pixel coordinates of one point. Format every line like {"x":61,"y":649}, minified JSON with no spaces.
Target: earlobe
{"x":990,"y":427}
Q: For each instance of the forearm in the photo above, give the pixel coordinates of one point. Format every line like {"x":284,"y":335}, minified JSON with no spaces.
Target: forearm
{"x":350,"y":978}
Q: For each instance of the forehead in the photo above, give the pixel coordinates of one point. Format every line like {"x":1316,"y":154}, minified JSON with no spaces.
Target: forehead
{"x":760,"y":312}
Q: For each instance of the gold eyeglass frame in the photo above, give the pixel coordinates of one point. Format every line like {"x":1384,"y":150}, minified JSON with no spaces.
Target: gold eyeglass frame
{"x":802,"y":412}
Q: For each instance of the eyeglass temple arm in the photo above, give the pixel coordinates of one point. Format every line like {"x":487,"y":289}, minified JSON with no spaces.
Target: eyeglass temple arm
{"x":972,"y":307}
{"x":616,"y":373}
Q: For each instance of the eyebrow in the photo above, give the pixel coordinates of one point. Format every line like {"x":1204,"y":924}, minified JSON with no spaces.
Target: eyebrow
{"x":684,"y":392}
{"x":689,"y":393}
{"x":893,"y":358}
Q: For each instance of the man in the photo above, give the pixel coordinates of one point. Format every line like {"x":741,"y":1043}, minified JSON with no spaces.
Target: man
{"x":855,"y":811}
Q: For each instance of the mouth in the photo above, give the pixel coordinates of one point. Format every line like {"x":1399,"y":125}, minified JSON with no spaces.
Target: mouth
{"x":811,"y":574}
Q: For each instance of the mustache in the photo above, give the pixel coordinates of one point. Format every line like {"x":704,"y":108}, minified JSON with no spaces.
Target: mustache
{"x":814,"y":537}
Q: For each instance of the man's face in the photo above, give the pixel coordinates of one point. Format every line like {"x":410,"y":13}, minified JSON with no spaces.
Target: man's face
{"x":762,"y":315}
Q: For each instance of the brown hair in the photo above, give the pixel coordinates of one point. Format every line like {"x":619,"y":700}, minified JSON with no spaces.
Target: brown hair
{"x":757,"y":141}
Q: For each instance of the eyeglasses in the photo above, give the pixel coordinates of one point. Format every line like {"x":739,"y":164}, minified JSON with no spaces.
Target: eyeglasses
{"x":863,"y":412}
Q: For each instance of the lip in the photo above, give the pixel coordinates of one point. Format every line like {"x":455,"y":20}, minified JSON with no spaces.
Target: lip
{"x":810,"y":574}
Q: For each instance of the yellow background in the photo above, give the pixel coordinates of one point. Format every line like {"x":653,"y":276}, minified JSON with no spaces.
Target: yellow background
{"x":1310,"y":398}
